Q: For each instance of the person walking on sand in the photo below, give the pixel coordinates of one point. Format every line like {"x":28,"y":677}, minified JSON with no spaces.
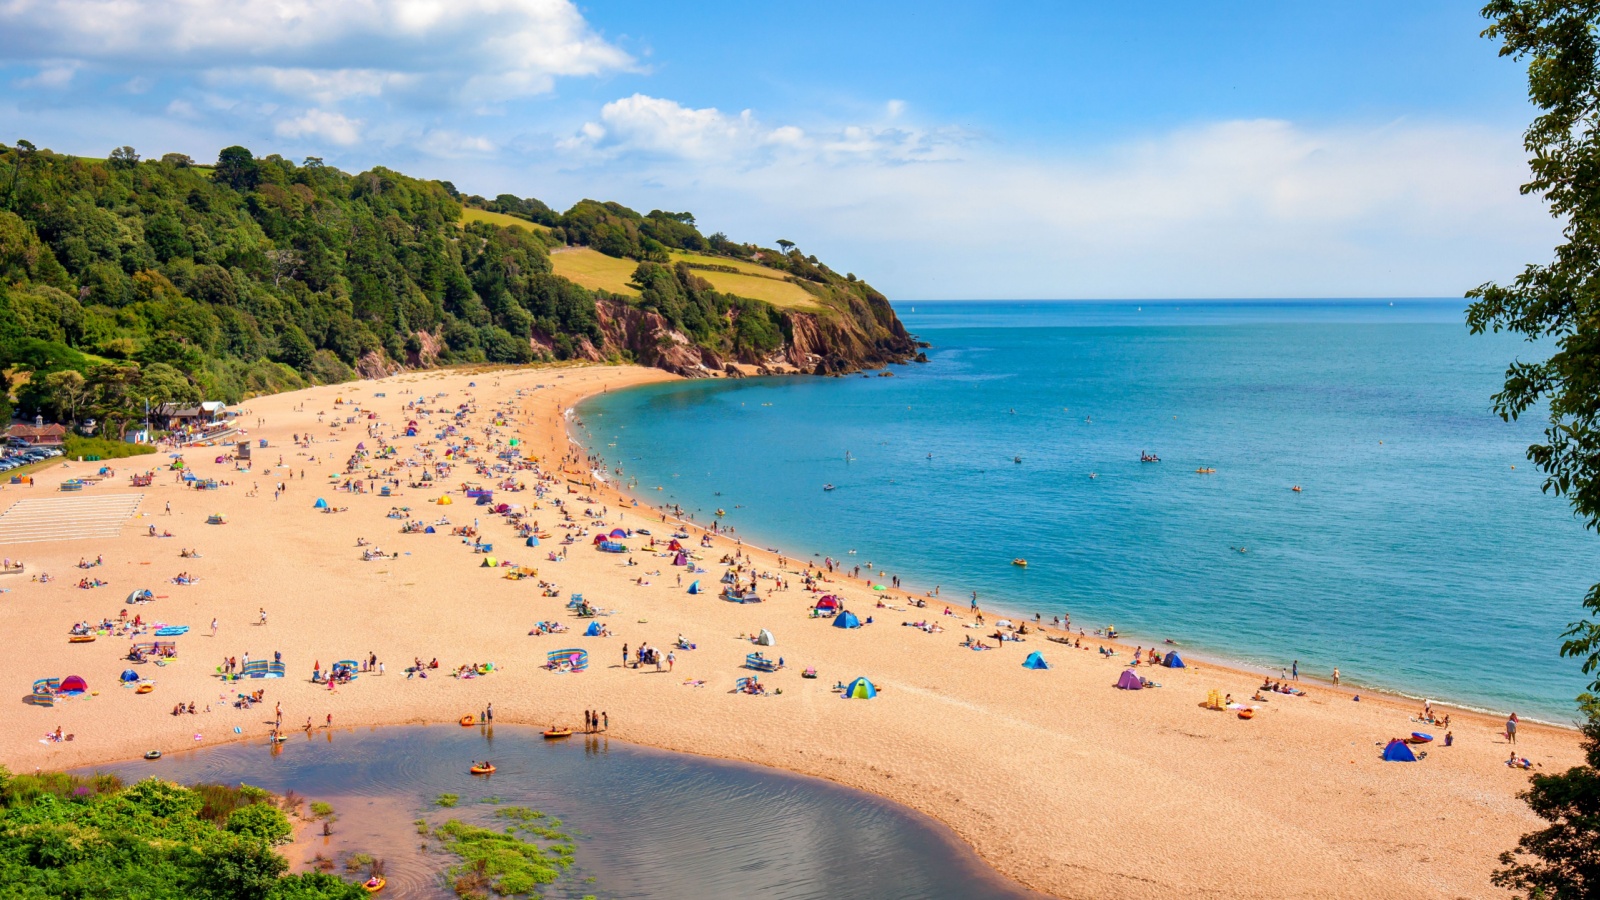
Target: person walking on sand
{"x":1297,"y":670}
{"x":169,"y":507}
{"x":606,"y":719}
{"x":263,"y":615}
{"x":213,"y":626}
{"x":1511,"y":729}
{"x":624,"y":656}
{"x":1335,"y":676}
{"x":671,"y":658}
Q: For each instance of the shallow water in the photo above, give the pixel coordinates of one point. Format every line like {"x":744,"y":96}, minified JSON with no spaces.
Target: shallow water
{"x":649,"y":823}
{"x":1420,"y":556}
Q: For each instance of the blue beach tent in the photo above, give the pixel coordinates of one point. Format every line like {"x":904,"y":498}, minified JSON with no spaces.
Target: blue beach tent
{"x":694,"y":588}
{"x":1173,"y":660}
{"x":532,"y":541}
{"x":846,"y":619}
{"x":594,"y":630}
{"x":129,"y":675}
{"x":1035,"y":661}
{"x":429,"y":530}
{"x":320,"y":504}
{"x":1398,"y":751}
{"x":860,"y":689}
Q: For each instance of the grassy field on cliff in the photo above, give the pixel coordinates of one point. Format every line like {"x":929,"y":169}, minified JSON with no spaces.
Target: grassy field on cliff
{"x":597,"y":271}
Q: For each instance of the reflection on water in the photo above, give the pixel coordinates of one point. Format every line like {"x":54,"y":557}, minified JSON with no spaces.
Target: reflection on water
{"x":649,"y":823}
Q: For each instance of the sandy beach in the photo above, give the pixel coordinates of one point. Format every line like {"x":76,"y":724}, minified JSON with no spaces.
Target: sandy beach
{"x":1055,"y":777}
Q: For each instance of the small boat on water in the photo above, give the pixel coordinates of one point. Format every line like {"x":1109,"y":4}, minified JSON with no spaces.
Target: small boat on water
{"x":1296,"y":489}
{"x":485,"y":769}
{"x":1205,"y":471}
{"x":1148,"y":457}
{"x":827,"y":487}
{"x":1017,"y":460}
{"x":374,"y":884}
{"x":468,"y":720}
{"x":1019,"y":561}
{"x":152,"y":754}
{"x":553,"y":733}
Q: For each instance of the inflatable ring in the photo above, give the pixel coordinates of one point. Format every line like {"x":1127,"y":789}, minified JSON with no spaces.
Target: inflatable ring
{"x":144,"y":689}
{"x":466,"y":720}
{"x":152,"y":754}
{"x":1247,"y":713}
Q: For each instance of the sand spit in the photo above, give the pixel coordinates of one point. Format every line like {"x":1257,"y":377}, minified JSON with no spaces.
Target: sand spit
{"x":1055,"y":777}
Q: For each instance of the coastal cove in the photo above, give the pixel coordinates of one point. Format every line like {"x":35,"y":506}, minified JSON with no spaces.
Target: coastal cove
{"x":646,"y":823}
{"x":1393,"y":562}
{"x":1070,"y":765}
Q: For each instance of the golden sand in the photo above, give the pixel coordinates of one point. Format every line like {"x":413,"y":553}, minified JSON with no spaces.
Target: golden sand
{"x":1055,"y":777}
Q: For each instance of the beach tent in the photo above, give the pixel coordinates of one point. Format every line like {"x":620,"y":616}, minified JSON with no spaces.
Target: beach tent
{"x":594,"y":630}
{"x":1397,"y":751}
{"x":1129,"y":681}
{"x":846,"y":619}
{"x":320,"y":504}
{"x":860,"y":689}
{"x":1035,"y":661}
{"x":601,"y":538}
{"x":674,"y":546}
{"x":445,"y":501}
{"x":1173,"y":660}
{"x":129,"y":675}
{"x":429,"y":530}
{"x":533,"y":541}
{"x":682,"y":559}
{"x":828,"y":603}
{"x":140,"y":596}
{"x":694,"y":586}
{"x":73,"y":684}
{"x":618,"y":533}
{"x":765,"y":638}
{"x":490,"y":562}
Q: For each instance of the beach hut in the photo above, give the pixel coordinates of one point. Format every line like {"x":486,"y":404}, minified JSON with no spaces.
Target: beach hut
{"x":694,"y":586}
{"x":765,"y":638}
{"x":74,"y":684}
{"x":1035,"y":660}
{"x":1130,"y":681}
{"x":846,"y":619}
{"x":1173,"y":660}
{"x":828,"y":603}
{"x":320,"y":504}
{"x":593,"y":630}
{"x":1396,"y":751}
{"x":860,"y":689}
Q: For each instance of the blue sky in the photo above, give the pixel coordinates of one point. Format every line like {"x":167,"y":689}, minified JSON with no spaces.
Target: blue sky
{"x":940,"y":150}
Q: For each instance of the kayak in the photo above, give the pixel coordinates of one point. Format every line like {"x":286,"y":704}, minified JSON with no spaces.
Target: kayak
{"x":81,"y":639}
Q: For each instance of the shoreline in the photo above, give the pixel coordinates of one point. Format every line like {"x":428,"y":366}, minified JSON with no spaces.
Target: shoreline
{"x":1397,"y":697}
{"x":1070,"y":766}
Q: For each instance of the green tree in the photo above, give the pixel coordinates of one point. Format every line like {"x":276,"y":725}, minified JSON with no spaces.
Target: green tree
{"x":123,"y":158}
{"x":261,"y":821}
{"x":68,"y":390}
{"x":1558,"y":303}
{"x":237,"y":169}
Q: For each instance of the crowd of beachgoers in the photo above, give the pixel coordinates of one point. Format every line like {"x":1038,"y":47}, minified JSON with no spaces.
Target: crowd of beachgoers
{"x":447,"y":520}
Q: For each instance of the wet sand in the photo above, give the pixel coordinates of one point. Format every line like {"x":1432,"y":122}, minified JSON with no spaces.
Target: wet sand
{"x":1055,"y":777}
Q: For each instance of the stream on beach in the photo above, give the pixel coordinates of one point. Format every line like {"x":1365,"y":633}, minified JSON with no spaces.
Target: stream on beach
{"x":647,"y":823}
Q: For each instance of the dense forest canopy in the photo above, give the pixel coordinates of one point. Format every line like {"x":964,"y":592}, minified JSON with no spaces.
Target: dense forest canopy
{"x":127,"y":280}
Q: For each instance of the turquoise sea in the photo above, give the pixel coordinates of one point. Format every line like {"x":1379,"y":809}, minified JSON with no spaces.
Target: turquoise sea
{"x":1420,"y":555}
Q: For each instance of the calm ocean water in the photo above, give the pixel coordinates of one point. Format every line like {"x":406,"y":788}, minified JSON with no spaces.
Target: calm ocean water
{"x":1416,"y":558}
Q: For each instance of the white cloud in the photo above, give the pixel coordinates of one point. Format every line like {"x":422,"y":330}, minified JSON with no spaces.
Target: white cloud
{"x":1228,"y":209}
{"x":486,"y":49}
{"x":321,"y":124}
{"x":50,"y":77}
